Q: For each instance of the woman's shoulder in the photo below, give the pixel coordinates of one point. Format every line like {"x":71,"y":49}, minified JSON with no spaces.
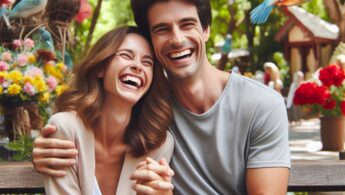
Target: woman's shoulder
{"x":66,"y":123}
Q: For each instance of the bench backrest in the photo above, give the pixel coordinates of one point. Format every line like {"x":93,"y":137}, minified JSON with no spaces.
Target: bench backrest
{"x":325,"y":175}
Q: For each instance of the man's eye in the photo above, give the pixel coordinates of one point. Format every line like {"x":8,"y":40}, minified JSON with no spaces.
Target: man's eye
{"x":161,"y":30}
{"x":187,"y":25}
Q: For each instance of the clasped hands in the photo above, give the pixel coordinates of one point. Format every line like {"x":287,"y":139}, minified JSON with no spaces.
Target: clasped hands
{"x":152,"y":177}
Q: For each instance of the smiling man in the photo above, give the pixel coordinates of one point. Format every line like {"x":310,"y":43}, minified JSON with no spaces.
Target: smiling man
{"x":231,"y":132}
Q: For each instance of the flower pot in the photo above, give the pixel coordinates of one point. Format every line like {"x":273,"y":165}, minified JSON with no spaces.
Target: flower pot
{"x":21,"y":117}
{"x":332,"y":133}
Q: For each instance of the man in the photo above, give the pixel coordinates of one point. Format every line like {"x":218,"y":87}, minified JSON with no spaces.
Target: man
{"x":231,"y":132}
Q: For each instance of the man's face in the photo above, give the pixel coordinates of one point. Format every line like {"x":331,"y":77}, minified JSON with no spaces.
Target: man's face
{"x":178,"y":37}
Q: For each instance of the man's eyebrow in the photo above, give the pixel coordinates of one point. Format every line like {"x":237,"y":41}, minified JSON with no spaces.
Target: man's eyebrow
{"x":154,"y":27}
{"x":159,"y":25}
{"x":190,"y":19}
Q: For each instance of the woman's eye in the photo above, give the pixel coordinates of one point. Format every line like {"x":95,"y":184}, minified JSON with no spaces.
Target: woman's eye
{"x":126,"y":56}
{"x":148,"y":63}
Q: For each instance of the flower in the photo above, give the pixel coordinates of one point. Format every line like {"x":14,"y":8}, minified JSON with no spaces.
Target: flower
{"x":28,"y":44}
{"x":326,"y":93}
{"x":24,"y":75}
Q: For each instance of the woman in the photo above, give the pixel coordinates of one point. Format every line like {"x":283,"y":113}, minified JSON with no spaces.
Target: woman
{"x":117,"y":114}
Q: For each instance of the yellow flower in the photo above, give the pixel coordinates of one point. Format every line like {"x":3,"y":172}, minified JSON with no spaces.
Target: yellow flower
{"x":3,"y":75}
{"x":1,"y":90}
{"x":61,"y":66}
{"x":40,"y":85}
{"x":14,"y":89}
{"x":61,"y":88}
{"x":32,"y":59}
{"x":16,"y":76}
{"x":49,"y":68}
{"x":44,"y":97}
{"x":28,"y":79}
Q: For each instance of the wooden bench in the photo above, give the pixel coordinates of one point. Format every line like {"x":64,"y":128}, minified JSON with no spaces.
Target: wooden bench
{"x":325,"y":175}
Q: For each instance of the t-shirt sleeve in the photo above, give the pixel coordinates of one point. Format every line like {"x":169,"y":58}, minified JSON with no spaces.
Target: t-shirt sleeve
{"x":69,"y":184}
{"x":269,"y":142}
{"x":165,"y":150}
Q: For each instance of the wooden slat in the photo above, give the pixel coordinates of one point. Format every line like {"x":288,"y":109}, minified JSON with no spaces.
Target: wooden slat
{"x":320,"y":175}
{"x":19,"y":177}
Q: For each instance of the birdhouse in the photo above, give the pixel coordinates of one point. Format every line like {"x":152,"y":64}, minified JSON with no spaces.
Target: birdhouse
{"x":308,"y":40}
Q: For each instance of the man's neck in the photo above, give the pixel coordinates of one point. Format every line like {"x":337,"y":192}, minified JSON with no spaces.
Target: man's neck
{"x":198,"y":94}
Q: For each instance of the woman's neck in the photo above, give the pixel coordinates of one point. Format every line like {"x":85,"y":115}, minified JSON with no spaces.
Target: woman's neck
{"x":113,"y":122}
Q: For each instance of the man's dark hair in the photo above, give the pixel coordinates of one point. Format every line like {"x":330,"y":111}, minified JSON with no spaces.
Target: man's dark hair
{"x":140,"y":10}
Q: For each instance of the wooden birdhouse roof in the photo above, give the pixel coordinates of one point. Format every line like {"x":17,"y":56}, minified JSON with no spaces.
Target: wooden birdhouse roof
{"x":315,"y":27}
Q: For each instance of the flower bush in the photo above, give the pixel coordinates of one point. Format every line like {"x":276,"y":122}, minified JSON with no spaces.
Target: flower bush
{"x":28,"y":73}
{"x":326,"y":93}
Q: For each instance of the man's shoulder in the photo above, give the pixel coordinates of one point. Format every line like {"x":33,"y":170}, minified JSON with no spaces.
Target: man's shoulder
{"x":247,"y":91}
{"x":243,"y":85}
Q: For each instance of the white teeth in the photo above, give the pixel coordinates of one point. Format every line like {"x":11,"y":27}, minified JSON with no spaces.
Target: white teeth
{"x":179,"y":54}
{"x":136,"y":80}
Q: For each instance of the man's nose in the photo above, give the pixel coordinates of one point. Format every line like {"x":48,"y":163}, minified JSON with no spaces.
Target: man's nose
{"x":177,"y":37}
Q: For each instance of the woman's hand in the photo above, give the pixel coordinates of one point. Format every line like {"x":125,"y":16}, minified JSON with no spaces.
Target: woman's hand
{"x":153,"y":177}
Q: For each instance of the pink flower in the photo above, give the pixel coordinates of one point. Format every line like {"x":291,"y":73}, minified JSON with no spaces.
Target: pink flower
{"x":4,"y":66}
{"x":51,"y":82}
{"x":84,"y":11}
{"x":22,"y":59}
{"x":28,"y":43}
{"x":34,"y":72}
{"x":17,"y":43}
{"x":29,"y":89}
{"x":6,"y":56}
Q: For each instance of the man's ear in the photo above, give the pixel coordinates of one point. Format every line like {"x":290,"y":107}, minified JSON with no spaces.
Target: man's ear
{"x":206,"y":33}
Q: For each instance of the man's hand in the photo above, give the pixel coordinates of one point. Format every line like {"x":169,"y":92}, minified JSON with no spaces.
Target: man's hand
{"x":153,"y":177}
{"x":51,"y":156}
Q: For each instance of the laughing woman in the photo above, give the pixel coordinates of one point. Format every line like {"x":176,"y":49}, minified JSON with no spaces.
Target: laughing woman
{"x":117,"y":113}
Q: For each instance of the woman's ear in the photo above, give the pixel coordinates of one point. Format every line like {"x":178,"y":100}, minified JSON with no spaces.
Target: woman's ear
{"x":100,"y":72}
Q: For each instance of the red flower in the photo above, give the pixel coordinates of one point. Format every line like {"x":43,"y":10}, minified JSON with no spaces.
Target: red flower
{"x":332,"y":75}
{"x":342,"y":106}
{"x":85,"y":11}
{"x":329,"y":104}
{"x":310,"y":93}
{"x":5,"y":2}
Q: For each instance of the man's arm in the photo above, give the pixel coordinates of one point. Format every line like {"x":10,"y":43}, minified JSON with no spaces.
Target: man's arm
{"x":51,"y":155}
{"x":267,"y":181}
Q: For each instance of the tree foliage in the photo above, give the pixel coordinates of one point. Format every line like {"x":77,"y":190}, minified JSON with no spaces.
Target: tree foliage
{"x":229,"y":16}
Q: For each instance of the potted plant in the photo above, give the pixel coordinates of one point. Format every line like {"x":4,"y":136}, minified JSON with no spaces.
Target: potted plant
{"x":28,"y":75}
{"x":325,"y":94}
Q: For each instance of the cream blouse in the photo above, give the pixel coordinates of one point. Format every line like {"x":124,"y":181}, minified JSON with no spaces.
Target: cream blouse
{"x":80,"y":178}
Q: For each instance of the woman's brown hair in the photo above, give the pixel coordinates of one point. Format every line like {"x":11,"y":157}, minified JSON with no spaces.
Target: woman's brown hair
{"x":151,"y":115}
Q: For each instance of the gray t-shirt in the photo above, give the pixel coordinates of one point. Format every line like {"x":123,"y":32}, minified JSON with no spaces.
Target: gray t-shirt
{"x":247,"y":127}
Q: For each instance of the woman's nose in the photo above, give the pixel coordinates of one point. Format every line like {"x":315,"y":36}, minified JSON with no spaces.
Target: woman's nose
{"x":136,"y":67}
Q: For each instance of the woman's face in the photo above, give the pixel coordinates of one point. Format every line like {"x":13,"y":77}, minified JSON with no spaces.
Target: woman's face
{"x":129,"y":74}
